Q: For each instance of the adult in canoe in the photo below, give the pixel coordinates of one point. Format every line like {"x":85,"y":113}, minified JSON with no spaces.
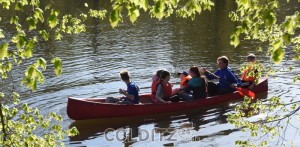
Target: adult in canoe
{"x":196,"y":88}
{"x":227,"y":79}
{"x":250,"y":72}
{"x":131,"y":95}
{"x":162,"y":89}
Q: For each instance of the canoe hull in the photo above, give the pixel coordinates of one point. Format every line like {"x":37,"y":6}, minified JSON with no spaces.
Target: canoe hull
{"x":94,"y":108}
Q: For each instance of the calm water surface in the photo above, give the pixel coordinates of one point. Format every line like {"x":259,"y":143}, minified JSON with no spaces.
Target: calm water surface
{"x":92,"y":61}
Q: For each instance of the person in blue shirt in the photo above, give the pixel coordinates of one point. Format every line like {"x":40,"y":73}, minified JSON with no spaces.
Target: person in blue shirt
{"x":131,"y":95}
{"x":227,"y":79}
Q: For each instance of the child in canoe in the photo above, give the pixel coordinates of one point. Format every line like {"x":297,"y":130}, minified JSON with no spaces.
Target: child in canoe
{"x":131,"y":95}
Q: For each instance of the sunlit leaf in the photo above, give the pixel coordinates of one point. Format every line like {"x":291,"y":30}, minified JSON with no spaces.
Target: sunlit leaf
{"x":287,"y":38}
{"x":234,"y":40}
{"x":1,"y":34}
{"x":144,"y":4}
{"x":57,"y":65}
{"x":277,"y":44}
{"x":14,"y":20}
{"x":32,"y":23}
{"x":44,"y":35}
{"x":3,"y":51}
{"x":42,"y":62}
{"x":19,"y":6}
{"x":133,"y":14}
{"x":29,"y":48}
{"x":278,"y":55}
{"x":115,"y":16}
{"x":38,"y":13}
{"x":53,"y":18}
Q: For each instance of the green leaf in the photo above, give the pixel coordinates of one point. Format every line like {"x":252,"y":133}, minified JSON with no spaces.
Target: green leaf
{"x":3,"y":51}
{"x":28,"y":48}
{"x":289,"y":26}
{"x":159,"y":9}
{"x":1,"y":34}
{"x":269,"y":18}
{"x":48,"y":7}
{"x":52,"y":20}
{"x":14,"y":20}
{"x":115,"y":16}
{"x":277,"y":44}
{"x":197,"y":8}
{"x":19,"y":6}
{"x":2,"y":95}
{"x":287,"y":38}
{"x":278,"y":55}
{"x":234,"y":40}
{"x":42,"y":62}
{"x":38,"y":13}
{"x":44,"y":35}
{"x":8,"y":66}
{"x":32,"y":23}
{"x":144,"y":4}
{"x":134,"y":13}
{"x":57,"y":65}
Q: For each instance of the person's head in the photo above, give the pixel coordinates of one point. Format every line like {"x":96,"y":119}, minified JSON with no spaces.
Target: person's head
{"x":182,"y":74}
{"x":222,"y":62}
{"x":165,"y":75}
{"x":124,"y":75}
{"x":251,"y":58}
{"x":158,"y":72}
{"x":194,"y":71}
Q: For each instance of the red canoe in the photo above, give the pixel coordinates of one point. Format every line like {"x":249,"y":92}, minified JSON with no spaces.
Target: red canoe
{"x":95,"y":108}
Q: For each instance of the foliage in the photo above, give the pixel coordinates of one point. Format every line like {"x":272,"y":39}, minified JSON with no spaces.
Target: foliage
{"x":21,"y":125}
{"x":254,"y":69}
{"x":256,"y":20}
{"x":32,"y":24}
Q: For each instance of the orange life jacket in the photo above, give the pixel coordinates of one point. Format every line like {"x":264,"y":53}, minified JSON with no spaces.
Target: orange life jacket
{"x":167,"y":89}
{"x":154,"y":86}
{"x":246,"y":77}
{"x":184,"y":81}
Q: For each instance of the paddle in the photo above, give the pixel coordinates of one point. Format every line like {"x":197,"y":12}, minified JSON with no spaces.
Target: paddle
{"x":241,"y":91}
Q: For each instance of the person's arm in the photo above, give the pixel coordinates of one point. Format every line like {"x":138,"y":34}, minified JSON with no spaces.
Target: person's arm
{"x":160,"y":93}
{"x":210,"y":76}
{"x":234,"y":78}
{"x":125,"y":93}
{"x":187,"y":89}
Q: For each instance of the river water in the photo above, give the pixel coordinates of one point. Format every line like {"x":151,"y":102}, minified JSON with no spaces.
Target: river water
{"x":93,"y":60}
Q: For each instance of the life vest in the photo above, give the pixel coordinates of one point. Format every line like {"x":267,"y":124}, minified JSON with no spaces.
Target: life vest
{"x":246,"y":77}
{"x":154,"y":86}
{"x":184,"y":81}
{"x":167,"y":90}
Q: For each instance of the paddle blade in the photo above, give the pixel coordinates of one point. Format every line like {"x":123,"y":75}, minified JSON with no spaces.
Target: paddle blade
{"x":246,"y":92}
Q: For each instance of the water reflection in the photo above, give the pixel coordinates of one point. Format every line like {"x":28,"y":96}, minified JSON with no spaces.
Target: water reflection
{"x":92,"y":61}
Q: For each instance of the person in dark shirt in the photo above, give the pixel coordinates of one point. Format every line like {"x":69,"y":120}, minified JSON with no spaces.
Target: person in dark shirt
{"x":196,"y":88}
{"x":227,"y":79}
{"x":131,"y":95}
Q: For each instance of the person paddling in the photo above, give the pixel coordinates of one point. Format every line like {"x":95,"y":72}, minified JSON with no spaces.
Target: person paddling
{"x":227,"y":79}
{"x":131,"y":95}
